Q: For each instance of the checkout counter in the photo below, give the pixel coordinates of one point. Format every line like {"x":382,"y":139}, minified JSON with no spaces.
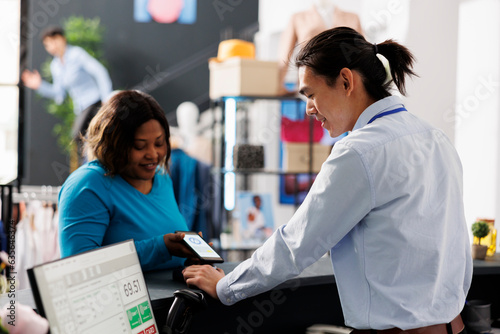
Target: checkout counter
{"x":311,"y":298}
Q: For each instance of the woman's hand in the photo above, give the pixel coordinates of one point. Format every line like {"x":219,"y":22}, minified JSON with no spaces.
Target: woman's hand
{"x":31,"y":80}
{"x":175,"y":245}
{"x":204,"y":277}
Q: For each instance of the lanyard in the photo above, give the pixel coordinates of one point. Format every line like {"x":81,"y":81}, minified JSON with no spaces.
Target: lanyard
{"x":387,"y":113}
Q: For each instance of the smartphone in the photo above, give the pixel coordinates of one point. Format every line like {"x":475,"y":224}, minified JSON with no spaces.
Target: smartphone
{"x":201,"y":248}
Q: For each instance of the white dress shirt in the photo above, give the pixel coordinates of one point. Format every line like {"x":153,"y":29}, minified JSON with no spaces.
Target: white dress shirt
{"x":388,"y":204}
{"x":86,"y":80}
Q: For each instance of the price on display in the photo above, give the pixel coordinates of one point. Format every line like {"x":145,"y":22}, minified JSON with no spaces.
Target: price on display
{"x":132,"y":287}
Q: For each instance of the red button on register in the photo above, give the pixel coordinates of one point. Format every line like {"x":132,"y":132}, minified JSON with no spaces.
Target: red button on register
{"x":150,"y":330}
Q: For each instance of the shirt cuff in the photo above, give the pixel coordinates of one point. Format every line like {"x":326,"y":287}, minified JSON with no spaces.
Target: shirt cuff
{"x":162,"y":248}
{"x":226,"y":296}
{"x":44,"y":88}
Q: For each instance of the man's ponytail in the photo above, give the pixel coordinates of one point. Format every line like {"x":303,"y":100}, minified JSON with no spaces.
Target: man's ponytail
{"x":401,"y":62}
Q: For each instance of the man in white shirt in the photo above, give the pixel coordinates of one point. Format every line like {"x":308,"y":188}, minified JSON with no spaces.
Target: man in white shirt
{"x":387,"y":202}
{"x":75,"y":72}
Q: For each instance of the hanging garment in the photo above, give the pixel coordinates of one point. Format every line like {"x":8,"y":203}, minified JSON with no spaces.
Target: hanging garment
{"x":193,"y":190}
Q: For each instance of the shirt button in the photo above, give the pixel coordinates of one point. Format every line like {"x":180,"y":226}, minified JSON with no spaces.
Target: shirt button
{"x":228,"y":300}
{"x":243,"y":295}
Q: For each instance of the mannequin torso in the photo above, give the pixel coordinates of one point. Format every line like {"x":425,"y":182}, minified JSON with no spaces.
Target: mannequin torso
{"x":304,"y":25}
{"x":325,"y":8}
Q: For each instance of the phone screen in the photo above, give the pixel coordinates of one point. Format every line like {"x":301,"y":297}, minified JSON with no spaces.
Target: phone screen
{"x":201,"y":248}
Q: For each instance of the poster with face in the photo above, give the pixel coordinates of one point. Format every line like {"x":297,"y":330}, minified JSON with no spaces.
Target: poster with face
{"x":165,"y":11}
{"x":256,"y":215}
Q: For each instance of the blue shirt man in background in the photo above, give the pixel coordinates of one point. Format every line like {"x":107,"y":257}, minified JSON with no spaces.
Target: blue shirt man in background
{"x":75,"y":72}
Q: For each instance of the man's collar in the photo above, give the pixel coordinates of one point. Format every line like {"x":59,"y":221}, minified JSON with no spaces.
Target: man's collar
{"x":388,"y":103}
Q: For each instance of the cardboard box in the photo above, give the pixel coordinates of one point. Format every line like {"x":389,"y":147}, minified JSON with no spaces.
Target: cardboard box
{"x":296,"y":157}
{"x":243,"y":77}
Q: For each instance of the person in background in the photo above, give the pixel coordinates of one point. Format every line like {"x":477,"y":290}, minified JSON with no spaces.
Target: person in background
{"x":387,"y":202}
{"x":73,"y":71}
{"x":124,"y":191}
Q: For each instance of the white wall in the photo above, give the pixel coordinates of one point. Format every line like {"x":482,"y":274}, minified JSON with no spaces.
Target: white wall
{"x":432,"y":37}
{"x":274,"y":14}
{"x":9,"y":92}
{"x":477,"y":106}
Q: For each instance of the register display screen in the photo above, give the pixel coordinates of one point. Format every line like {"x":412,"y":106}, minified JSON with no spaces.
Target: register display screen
{"x":101,"y":291}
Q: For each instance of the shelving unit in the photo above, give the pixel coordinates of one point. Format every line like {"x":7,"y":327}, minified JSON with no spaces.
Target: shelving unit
{"x":234,"y":109}
{"x":223,"y":164}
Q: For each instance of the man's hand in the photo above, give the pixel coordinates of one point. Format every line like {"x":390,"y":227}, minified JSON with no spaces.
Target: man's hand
{"x":204,"y":277}
{"x":31,"y":80}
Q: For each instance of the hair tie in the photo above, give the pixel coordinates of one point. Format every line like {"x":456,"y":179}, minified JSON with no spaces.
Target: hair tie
{"x":375,"y":48}
{"x":387,"y":67}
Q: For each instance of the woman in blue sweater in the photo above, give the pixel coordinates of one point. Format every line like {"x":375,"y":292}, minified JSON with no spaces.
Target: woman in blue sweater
{"x":124,"y":192}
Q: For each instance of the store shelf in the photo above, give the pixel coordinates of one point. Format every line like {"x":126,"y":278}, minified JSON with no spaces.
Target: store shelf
{"x":248,"y":171}
{"x":292,"y":97}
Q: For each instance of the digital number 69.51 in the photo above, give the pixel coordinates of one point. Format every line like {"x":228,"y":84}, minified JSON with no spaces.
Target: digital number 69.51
{"x":131,"y":288}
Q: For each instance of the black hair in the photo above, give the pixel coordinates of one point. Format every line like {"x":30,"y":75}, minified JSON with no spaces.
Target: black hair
{"x":52,"y":31}
{"x":330,"y":51}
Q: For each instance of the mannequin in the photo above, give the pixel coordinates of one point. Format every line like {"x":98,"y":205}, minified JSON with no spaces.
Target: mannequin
{"x":187,"y":120}
{"x":326,"y":8}
{"x":302,"y":26}
{"x":188,"y":137}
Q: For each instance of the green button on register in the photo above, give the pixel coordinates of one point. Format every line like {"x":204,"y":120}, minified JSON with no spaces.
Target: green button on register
{"x":145,"y":311}
{"x":133,"y":317}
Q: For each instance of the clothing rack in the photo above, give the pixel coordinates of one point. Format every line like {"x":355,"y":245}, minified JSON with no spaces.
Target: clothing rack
{"x":38,"y":193}
{"x":35,"y":228}
{"x":10,"y":196}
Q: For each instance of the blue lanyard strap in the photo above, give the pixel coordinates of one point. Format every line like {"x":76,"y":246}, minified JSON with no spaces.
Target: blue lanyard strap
{"x":385,"y":113}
